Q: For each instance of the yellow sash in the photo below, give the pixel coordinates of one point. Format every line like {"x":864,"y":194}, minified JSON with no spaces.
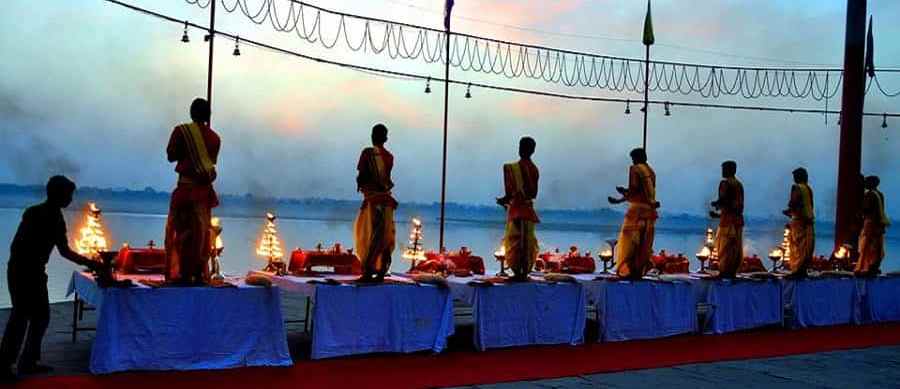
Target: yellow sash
{"x":647,"y":185}
{"x":197,"y":151}
{"x":806,"y":210}
{"x":517,"y":180}
{"x":881,"y":211}
{"x":378,"y":162}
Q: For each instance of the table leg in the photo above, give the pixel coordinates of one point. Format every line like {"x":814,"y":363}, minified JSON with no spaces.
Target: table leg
{"x":306,"y":319}
{"x":75,"y":318}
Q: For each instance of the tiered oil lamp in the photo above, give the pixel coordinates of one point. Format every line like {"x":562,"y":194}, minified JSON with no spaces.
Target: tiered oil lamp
{"x":708,"y":251}
{"x":414,"y":252}
{"x":270,"y":247}
{"x":92,"y":241}
{"x":781,"y":254}
{"x":216,"y":251}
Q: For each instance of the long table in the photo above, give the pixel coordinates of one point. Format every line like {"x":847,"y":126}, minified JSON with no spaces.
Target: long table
{"x":821,"y":302}
{"x":628,"y":310}
{"x":519,"y":314}
{"x":183,"y":328}
{"x":878,"y":300}
{"x":398,"y":316}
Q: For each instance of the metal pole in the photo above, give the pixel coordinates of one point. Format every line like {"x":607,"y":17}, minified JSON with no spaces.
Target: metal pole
{"x":849,"y":192}
{"x":646,"y":93}
{"x":444,"y":162}
{"x":212,"y":35}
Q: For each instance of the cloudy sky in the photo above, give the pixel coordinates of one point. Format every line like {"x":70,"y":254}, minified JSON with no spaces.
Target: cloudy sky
{"x":92,"y":90}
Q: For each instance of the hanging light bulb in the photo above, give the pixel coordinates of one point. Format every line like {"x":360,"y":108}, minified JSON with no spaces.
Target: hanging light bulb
{"x":628,"y":107}
{"x":184,"y":36}
{"x":884,"y":121}
{"x":469,"y":91}
{"x":237,"y":50}
{"x":840,"y":115}
{"x":667,"y":109}
{"x":428,"y":85}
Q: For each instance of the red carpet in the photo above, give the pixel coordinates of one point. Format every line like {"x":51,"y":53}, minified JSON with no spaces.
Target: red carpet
{"x":468,"y":368}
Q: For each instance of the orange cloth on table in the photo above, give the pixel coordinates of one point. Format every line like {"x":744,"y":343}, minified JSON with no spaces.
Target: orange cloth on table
{"x":520,"y":180}
{"x":871,"y":238}
{"x":195,"y":148}
{"x":730,"y":234}
{"x":639,"y":227}
{"x":374,"y":231}
{"x":803,"y":233}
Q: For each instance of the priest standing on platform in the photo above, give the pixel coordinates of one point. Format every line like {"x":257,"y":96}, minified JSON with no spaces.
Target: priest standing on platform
{"x":42,"y":228}
{"x":373,"y":232}
{"x":635,"y":245}
{"x":520,"y":181}
{"x":871,"y":238}
{"x":730,"y":234}
{"x":802,"y":226}
{"x":194,"y":147}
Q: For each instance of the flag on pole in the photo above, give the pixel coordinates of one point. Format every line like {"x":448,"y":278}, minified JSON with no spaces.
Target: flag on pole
{"x":870,"y":51}
{"x":649,"y":39}
{"x":448,"y":7}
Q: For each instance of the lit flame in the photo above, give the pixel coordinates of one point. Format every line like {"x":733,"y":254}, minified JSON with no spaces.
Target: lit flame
{"x":607,"y":253}
{"x":216,"y":225}
{"x":92,"y":239}
{"x":841,"y":253}
{"x":704,"y":252}
{"x":709,"y":237}
{"x":776,"y":253}
{"x":414,"y":251}
{"x":269,"y":245}
{"x":501,"y":252}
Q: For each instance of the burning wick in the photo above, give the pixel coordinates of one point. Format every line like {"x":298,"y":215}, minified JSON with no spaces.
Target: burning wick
{"x":270,"y":246}
{"x":414,"y":252}
{"x":92,"y":240}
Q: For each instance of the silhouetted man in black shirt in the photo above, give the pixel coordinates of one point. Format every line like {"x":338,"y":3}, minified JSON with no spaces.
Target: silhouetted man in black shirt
{"x":41,"y":229}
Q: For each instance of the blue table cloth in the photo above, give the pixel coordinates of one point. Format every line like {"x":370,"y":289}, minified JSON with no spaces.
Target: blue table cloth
{"x":351,"y":320}
{"x":736,"y":305}
{"x":820,"y":302}
{"x":879,"y":299}
{"x":359,"y":319}
{"x":644,"y":310}
{"x":143,"y":328}
{"x":519,"y":314}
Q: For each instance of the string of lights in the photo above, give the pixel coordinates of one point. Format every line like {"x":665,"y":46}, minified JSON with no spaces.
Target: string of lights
{"x":667,"y":105}
{"x":518,"y":60}
{"x":594,"y":37}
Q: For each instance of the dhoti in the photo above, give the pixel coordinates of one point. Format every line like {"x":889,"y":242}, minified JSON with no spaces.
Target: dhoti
{"x":521,"y":245}
{"x":635,"y":246}
{"x":871,"y":248}
{"x":802,"y":245}
{"x":374,"y":237}
{"x":188,"y":234}
{"x":730,"y":249}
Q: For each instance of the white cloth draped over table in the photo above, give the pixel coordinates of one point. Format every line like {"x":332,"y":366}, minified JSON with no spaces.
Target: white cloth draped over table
{"x":820,"y":302}
{"x":644,"y":309}
{"x":189,"y":328}
{"x":352,"y":319}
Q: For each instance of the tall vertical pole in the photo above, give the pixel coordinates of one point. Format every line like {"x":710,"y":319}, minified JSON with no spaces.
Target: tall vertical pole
{"x":849,"y":192}
{"x":646,"y":92}
{"x":212,"y":36}
{"x":444,"y":162}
